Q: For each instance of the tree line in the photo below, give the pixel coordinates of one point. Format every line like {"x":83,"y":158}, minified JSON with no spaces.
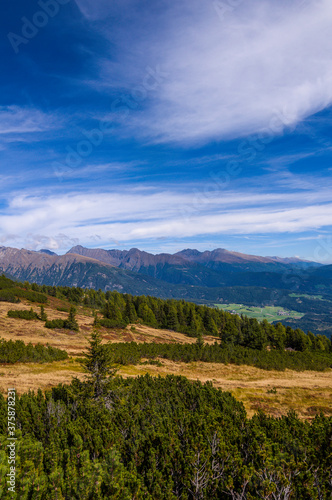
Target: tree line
{"x":131,"y":353}
{"x":119,"y":310}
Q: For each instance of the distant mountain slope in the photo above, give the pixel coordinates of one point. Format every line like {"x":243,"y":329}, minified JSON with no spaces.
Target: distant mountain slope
{"x":133,"y":259}
{"x":75,"y":270}
{"x":295,"y":261}
{"x":162,"y":275}
{"x":323,"y":272}
{"x":48,"y":252}
{"x":191,"y":266}
{"x":173,"y":276}
{"x":170,"y":268}
{"x":221,"y":259}
{"x":221,"y":255}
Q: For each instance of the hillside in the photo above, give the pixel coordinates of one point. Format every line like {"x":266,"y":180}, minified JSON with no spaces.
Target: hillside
{"x":209,"y":277}
{"x":305,"y":393}
{"x":75,"y":342}
{"x":175,"y":398}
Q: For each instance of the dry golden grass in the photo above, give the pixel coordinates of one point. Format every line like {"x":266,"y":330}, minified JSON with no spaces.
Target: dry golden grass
{"x":75,"y":342}
{"x":34,"y":376}
{"x":142,"y":333}
{"x":34,"y":331}
{"x":308,"y":393}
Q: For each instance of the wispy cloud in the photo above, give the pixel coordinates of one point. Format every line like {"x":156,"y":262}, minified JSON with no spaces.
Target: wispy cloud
{"x":169,"y":162}
{"x":23,"y":120}
{"x":94,"y":10}
{"x":228,"y":79}
{"x":142,"y":214}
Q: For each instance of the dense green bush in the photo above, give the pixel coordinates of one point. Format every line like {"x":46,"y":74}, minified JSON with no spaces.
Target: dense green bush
{"x":6,"y":282}
{"x":131,"y":353}
{"x":70,"y":323}
{"x":23,"y":314}
{"x":13,"y":294}
{"x":8,"y":296}
{"x":19,"y":352}
{"x":29,"y":295}
{"x":55,"y":323}
{"x":162,"y":438}
{"x":111,"y":323}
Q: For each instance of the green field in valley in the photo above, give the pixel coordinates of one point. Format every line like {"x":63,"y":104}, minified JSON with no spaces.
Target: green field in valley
{"x":270,"y":313}
{"x":306,"y":296}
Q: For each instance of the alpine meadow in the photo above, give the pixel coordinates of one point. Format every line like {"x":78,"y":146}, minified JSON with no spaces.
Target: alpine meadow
{"x":165,"y":250}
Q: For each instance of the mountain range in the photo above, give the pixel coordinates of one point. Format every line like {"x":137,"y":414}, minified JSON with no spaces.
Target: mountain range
{"x":111,"y":268}
{"x":85,"y":267}
{"x":219,"y":259}
{"x":210,"y":277}
{"x":186,"y":274}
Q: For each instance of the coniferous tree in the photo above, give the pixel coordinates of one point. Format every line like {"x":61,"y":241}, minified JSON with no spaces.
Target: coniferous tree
{"x":130,"y":311}
{"x":98,"y":363}
{"x":200,"y":341}
{"x":43,"y":315}
{"x":172,"y":318}
{"x":95,"y":319}
{"x":71,"y":322}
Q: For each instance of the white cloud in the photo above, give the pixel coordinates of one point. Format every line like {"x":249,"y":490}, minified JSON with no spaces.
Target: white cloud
{"x":17,"y":120}
{"x":138,"y":215}
{"x":263,"y":62}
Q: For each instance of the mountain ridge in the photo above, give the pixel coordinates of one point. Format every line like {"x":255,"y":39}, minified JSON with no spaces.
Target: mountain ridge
{"x":253,"y":283}
{"x":218,"y":254}
{"x":161,"y":274}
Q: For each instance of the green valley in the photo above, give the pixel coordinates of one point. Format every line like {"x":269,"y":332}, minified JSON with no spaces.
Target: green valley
{"x":270,"y":313}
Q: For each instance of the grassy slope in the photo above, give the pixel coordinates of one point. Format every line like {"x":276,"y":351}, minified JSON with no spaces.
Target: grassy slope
{"x":307,"y":393}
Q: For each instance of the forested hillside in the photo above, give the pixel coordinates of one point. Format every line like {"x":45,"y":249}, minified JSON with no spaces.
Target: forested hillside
{"x":207,"y":277}
{"x":113,"y":310}
{"x":108,"y":437}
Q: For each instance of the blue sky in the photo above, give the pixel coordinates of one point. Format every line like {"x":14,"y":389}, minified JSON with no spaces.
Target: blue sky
{"x":167,"y":125}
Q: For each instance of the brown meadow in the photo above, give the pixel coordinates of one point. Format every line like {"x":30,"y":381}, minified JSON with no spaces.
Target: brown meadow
{"x":308,"y":393}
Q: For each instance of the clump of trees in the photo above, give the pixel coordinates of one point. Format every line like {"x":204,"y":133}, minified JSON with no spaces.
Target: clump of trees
{"x":19,"y":352}
{"x":28,"y":314}
{"x":131,"y":353}
{"x":23,"y":314}
{"x":70,"y":323}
